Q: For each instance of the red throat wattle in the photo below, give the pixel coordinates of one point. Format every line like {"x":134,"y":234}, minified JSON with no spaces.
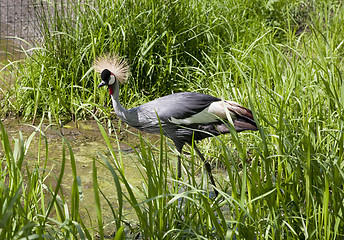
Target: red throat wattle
{"x":110,"y":90}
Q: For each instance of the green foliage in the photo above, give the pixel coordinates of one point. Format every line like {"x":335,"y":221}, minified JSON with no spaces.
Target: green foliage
{"x":29,"y":208}
{"x":275,"y":186}
{"x":168,"y":44}
{"x":282,"y":59}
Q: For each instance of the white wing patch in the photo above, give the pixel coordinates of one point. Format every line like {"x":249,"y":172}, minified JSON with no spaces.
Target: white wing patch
{"x":215,"y":111}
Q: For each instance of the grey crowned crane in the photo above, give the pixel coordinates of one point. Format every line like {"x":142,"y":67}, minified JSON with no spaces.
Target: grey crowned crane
{"x":184,"y":117}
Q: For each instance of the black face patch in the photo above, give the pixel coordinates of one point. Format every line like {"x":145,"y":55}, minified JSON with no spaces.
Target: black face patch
{"x":105,"y":75}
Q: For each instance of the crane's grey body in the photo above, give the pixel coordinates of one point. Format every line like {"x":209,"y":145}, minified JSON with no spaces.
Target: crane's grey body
{"x":183,"y":117}
{"x":167,"y":110}
{"x":149,"y":116}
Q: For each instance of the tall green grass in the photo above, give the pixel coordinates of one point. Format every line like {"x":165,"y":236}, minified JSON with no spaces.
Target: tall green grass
{"x":281,"y":59}
{"x":252,"y":203}
{"x":170,"y":45}
{"x":32,"y":205}
{"x":275,"y":186}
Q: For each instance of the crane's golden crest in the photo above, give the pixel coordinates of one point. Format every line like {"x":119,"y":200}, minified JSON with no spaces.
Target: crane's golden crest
{"x":115,"y":64}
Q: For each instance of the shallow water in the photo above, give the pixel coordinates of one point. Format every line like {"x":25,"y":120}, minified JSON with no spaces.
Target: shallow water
{"x":87,"y":143}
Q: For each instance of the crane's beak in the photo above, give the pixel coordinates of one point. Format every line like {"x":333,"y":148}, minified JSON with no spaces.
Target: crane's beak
{"x":103,"y":83}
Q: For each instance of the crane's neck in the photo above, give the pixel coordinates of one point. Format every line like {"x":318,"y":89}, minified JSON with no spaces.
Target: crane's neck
{"x":121,"y":112}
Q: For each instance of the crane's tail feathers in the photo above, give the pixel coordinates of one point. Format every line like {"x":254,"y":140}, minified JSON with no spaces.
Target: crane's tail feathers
{"x":243,"y":124}
{"x":115,"y":64}
{"x":244,"y":119}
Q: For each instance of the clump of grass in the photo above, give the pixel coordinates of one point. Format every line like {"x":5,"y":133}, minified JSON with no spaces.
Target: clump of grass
{"x":285,"y":181}
{"x":169,"y":45}
{"x":163,"y":207}
{"x":278,"y":184}
{"x":31,"y":208}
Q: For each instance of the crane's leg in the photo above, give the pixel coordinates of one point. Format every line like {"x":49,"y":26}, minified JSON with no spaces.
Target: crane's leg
{"x":179,"y":147}
{"x":179,"y":167}
{"x":207,"y":167}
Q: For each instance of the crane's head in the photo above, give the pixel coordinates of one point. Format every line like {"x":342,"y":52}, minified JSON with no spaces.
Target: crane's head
{"x":107,"y":77}
{"x":111,"y":69}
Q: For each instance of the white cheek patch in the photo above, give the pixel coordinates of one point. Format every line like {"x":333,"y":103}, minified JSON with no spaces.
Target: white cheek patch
{"x":112,"y":79}
{"x":213,"y":113}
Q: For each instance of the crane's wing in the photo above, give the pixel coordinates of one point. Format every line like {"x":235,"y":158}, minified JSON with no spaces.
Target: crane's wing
{"x":180,"y":105}
{"x":192,"y":109}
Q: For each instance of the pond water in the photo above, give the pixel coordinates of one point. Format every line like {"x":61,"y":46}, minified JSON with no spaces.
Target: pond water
{"x":87,"y":143}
